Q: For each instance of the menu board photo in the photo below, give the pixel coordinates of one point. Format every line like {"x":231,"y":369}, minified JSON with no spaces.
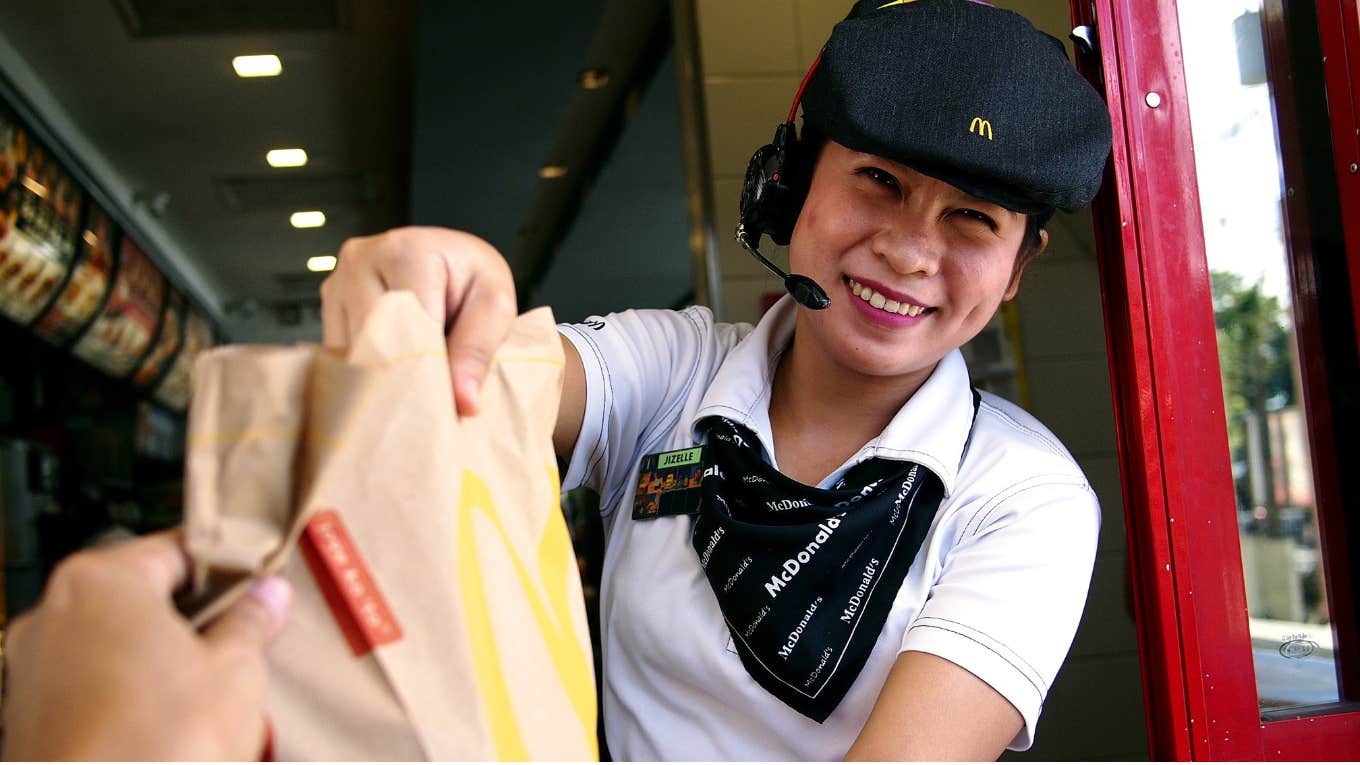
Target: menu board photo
{"x":40,"y":206}
{"x":173,"y":390}
{"x":88,"y":284}
{"x":125,"y":328}
{"x":172,"y":334}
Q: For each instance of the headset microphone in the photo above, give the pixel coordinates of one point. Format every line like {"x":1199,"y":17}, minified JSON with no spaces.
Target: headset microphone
{"x":807,"y":292}
{"x":772,"y":195}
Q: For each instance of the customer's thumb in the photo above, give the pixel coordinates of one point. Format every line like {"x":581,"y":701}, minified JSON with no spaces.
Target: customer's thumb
{"x":255,"y":619}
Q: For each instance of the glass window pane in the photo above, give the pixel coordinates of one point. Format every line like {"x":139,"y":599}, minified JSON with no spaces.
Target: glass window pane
{"x":1241,"y":193}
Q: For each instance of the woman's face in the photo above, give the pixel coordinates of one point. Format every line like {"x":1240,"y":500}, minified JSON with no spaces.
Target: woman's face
{"x":934,"y":262}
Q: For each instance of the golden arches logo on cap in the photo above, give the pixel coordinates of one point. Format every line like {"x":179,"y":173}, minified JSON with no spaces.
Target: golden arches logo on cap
{"x":981,"y":126}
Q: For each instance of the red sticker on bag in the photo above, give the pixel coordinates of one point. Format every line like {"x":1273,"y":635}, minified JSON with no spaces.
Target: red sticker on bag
{"x":357,"y":604}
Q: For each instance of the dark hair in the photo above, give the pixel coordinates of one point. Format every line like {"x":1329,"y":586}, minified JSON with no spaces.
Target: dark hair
{"x":1033,"y":241}
{"x":808,"y":149}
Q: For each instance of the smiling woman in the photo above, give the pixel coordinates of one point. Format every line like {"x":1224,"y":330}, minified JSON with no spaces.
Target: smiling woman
{"x":909,"y":240}
{"x":879,"y":561}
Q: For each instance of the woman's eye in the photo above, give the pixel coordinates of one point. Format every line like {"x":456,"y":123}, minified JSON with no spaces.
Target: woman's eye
{"x":980,"y":217}
{"x":881,"y":177}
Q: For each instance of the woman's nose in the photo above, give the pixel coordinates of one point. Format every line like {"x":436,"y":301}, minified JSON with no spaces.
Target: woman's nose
{"x":910,"y":246}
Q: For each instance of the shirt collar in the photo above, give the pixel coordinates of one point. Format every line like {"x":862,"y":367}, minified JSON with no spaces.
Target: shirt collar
{"x":931,"y":429}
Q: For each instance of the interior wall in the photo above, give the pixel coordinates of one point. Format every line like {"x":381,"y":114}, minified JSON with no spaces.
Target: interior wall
{"x":753,"y":54}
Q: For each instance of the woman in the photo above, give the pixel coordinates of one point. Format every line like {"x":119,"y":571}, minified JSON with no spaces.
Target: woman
{"x":879,"y":562}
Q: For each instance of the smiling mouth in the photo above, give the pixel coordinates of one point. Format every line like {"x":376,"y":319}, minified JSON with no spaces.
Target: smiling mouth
{"x":877,"y":300}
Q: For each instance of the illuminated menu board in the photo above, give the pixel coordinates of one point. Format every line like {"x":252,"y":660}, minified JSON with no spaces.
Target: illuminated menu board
{"x":173,"y":390}
{"x":126,"y":326}
{"x":88,"y":285}
{"x":69,"y":274}
{"x":40,"y":207}
{"x":172,"y":334}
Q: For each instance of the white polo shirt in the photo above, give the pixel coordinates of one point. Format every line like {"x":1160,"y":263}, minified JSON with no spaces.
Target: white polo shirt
{"x":997,"y":587}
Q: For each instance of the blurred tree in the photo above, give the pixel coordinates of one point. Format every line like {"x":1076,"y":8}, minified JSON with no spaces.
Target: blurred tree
{"x":1254,"y":354}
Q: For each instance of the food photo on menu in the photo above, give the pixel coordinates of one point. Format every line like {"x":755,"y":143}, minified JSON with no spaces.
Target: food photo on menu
{"x":127,"y":325}
{"x":42,"y":210}
{"x":88,"y":284}
{"x":173,"y":389}
{"x":13,"y":148}
{"x":167,"y":342}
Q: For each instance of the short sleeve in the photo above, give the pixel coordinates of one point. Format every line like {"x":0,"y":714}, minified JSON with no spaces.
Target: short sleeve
{"x":1012,"y":589}
{"x":640,"y":367}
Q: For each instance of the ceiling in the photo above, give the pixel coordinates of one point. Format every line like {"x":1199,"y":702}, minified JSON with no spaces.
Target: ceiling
{"x":149,"y":84}
{"x":479,"y":142}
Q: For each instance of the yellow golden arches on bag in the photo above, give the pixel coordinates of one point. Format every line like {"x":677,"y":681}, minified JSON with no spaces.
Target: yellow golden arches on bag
{"x":571,"y":660}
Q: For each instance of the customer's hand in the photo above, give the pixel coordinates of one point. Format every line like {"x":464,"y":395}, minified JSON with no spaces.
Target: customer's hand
{"x":462,"y":282}
{"x":104,"y":667}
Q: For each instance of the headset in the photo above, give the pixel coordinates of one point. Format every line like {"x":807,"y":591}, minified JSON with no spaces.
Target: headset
{"x":776,"y":185}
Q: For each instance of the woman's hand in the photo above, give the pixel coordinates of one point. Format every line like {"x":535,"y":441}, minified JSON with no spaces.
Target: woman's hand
{"x":104,"y":668}
{"x":462,"y":281}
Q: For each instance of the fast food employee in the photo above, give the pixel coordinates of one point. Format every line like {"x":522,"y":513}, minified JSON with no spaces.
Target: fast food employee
{"x":879,"y":562}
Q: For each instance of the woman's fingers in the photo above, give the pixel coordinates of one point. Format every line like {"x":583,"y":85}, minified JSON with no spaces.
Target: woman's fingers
{"x":480,"y":326}
{"x":461,"y":281}
{"x":333,"y":333}
{"x":415,"y":260}
{"x":481,"y":304}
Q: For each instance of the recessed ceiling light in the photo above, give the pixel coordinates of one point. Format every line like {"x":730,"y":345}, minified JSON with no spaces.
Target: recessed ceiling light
{"x":267,"y":65}
{"x":308,"y":219}
{"x":321,"y":263}
{"x":286,"y":157}
{"x":552,"y":171}
{"x":594,"y":79}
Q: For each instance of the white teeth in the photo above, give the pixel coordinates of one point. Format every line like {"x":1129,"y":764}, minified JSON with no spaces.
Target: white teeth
{"x":877,"y":300}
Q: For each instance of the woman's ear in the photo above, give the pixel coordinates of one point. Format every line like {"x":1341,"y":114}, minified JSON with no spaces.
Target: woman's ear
{"x":1023,"y":259}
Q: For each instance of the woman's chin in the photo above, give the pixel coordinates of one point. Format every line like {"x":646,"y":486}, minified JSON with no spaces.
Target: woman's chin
{"x":868,"y":362}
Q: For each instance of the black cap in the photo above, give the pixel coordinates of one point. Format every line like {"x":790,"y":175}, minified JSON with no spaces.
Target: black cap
{"x":967,"y":93}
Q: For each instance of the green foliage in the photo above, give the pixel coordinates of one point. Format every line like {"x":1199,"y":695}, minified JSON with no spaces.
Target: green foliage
{"x":1254,"y":353}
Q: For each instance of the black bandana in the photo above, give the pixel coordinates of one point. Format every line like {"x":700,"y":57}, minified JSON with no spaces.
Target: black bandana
{"x":806,"y":577}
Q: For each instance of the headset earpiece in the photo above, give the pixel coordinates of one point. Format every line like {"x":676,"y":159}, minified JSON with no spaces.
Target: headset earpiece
{"x":772,"y":196}
{"x":776,"y":186}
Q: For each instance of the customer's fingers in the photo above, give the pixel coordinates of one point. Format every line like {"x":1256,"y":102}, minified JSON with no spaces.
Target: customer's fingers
{"x":253,"y":621}
{"x":158,"y":559}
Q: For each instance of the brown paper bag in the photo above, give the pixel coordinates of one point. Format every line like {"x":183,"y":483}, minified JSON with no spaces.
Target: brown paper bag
{"x":438,"y":610}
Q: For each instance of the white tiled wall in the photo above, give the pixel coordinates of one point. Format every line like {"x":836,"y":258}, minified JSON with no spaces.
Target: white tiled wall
{"x":754,"y":54}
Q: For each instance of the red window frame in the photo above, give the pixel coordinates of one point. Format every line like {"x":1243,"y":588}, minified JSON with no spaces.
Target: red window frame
{"x":1190,"y":603}
{"x":1339,"y":25}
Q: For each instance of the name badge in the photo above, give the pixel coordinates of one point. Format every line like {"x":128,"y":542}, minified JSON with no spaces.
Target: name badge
{"x":669,"y":484}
